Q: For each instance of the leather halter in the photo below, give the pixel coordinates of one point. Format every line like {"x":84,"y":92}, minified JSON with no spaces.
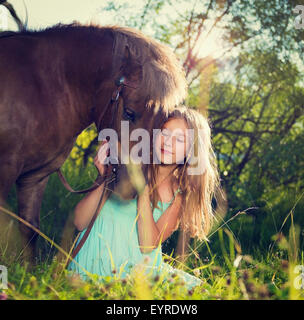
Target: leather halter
{"x":99,"y":180}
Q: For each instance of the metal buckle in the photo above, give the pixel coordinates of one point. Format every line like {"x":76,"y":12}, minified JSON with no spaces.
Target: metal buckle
{"x":120,"y":81}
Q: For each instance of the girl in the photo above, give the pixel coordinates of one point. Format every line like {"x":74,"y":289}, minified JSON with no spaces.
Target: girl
{"x":130,"y":233}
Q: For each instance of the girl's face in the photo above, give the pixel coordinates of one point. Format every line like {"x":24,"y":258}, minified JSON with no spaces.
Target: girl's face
{"x":170,"y":143}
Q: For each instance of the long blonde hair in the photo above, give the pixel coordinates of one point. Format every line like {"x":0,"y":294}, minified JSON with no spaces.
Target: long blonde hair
{"x":198,"y":190}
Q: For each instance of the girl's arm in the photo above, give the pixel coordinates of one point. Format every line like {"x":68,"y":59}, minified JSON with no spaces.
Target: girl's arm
{"x":149,"y":232}
{"x":86,"y":208}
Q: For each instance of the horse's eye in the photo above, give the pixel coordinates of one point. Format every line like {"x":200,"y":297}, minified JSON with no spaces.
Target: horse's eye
{"x":128,"y":114}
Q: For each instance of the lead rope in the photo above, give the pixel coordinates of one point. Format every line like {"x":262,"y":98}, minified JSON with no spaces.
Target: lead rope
{"x":107,"y":180}
{"x":114,"y":99}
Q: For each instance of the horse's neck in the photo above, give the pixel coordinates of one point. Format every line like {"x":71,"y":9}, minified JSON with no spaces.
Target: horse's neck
{"x":87,"y":67}
{"x":72,"y":64}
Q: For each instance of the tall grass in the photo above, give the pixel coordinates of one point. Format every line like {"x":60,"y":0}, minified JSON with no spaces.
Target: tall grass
{"x":228,"y":274}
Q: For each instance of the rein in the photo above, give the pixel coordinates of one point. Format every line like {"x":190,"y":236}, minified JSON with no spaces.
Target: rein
{"x":106,"y":179}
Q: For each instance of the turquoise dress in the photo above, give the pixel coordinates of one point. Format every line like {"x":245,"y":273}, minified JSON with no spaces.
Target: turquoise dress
{"x":112,"y":244}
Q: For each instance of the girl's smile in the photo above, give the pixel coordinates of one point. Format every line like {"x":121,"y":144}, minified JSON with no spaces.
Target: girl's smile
{"x":165,"y":151}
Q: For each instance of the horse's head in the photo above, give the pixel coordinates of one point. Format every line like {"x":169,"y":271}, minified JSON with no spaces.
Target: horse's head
{"x":149,"y":81}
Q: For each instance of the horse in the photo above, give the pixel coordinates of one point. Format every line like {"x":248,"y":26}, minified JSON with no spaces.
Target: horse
{"x":57,"y":81}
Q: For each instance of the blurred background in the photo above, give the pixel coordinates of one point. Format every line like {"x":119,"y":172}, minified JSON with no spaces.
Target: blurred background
{"x":244,"y":65}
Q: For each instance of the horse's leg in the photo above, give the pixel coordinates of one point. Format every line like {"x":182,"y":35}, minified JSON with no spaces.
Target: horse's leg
{"x":30,"y":193}
{"x":8,"y":176}
{"x":9,"y":172}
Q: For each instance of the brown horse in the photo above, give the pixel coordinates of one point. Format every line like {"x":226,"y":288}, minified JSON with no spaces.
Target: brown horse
{"x":56,"y":82}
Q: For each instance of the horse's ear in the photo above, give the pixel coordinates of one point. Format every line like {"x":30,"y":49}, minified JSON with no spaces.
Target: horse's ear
{"x":132,"y":70}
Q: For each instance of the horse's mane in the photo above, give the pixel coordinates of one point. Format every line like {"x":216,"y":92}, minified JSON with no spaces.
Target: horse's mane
{"x":163,"y":76}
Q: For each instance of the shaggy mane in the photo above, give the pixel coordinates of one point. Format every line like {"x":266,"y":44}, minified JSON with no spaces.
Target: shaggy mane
{"x":163,"y":76}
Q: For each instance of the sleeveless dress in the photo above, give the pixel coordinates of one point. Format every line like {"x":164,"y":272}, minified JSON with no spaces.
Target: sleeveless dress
{"x":113,"y":245}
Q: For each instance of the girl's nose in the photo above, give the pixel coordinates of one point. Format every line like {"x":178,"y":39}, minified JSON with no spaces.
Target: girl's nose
{"x":168,"y":141}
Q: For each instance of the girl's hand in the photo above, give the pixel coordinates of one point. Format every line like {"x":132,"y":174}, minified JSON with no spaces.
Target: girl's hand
{"x":144,"y":195}
{"x":101,"y":156}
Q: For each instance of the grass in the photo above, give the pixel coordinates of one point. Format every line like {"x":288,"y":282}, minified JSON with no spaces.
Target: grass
{"x":250,"y":280}
{"x":226,"y":276}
